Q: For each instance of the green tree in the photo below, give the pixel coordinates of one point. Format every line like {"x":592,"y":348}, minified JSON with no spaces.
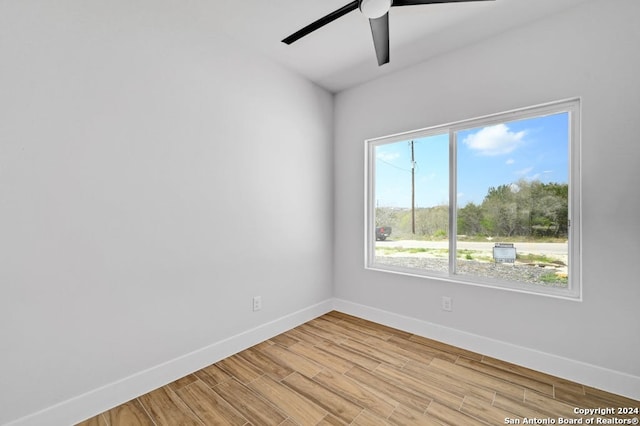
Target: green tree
{"x":500,"y":210}
{"x":550,"y":213}
{"x":470,"y":220}
{"x":433,"y":221}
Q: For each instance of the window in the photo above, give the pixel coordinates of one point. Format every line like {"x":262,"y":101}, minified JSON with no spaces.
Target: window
{"x":492,"y":201}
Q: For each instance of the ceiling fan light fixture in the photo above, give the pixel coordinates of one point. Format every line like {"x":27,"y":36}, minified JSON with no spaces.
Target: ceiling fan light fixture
{"x":374,"y":9}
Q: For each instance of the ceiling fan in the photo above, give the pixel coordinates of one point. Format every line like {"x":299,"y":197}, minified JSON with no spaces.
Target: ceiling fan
{"x":378,"y":13}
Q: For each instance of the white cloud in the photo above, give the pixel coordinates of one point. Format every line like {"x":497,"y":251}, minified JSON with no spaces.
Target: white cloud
{"x":525,"y":171}
{"x":510,"y":161}
{"x":387,"y":156}
{"x":494,"y":140}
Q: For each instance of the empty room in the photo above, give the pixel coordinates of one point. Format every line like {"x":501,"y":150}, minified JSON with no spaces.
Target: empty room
{"x":311,"y":212}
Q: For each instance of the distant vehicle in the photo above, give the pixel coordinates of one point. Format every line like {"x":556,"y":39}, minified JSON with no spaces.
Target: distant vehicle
{"x":382,"y":232}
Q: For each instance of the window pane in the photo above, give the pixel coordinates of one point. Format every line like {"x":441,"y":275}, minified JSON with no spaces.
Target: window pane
{"x":513,"y":192}
{"x":411,"y":195}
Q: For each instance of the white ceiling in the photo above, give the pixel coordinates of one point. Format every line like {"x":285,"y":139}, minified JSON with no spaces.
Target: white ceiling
{"x":341,"y":54}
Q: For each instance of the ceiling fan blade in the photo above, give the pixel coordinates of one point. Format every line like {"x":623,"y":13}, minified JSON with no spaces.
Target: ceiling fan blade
{"x":321,"y":22}
{"x":380,"y":32}
{"x":416,"y":2}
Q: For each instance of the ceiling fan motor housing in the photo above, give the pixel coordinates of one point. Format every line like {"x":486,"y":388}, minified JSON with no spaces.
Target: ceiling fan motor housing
{"x":378,"y":13}
{"x":374,"y":9}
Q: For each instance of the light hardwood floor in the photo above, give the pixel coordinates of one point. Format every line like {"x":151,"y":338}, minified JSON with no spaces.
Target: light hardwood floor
{"x":338,"y":369}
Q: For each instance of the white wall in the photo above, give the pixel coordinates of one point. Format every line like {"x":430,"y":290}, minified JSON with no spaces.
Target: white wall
{"x":590,"y":51}
{"x":154,"y":176}
{"x":152,"y":182}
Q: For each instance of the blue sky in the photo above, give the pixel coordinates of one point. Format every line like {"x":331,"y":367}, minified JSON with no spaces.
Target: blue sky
{"x":495,"y":155}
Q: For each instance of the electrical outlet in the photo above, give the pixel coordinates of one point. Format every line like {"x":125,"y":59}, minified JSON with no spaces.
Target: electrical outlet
{"x":257,"y":303}
{"x":447,"y":303}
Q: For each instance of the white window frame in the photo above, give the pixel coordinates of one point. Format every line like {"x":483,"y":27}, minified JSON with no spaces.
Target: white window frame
{"x":574,"y":288}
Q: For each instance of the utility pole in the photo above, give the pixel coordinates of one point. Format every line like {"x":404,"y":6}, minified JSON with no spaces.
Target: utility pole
{"x":413,"y":190}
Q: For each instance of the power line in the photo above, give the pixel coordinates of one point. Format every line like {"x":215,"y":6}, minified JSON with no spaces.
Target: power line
{"x":393,"y":165}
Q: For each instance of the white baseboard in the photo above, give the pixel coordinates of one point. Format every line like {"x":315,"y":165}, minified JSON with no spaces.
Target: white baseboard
{"x":580,"y":372}
{"x":99,"y":400}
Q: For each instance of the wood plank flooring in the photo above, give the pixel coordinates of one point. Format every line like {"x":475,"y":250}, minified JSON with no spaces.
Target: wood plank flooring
{"x":342,"y":370}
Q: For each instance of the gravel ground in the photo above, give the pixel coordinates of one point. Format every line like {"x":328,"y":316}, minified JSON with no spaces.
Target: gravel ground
{"x":518,"y":272}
